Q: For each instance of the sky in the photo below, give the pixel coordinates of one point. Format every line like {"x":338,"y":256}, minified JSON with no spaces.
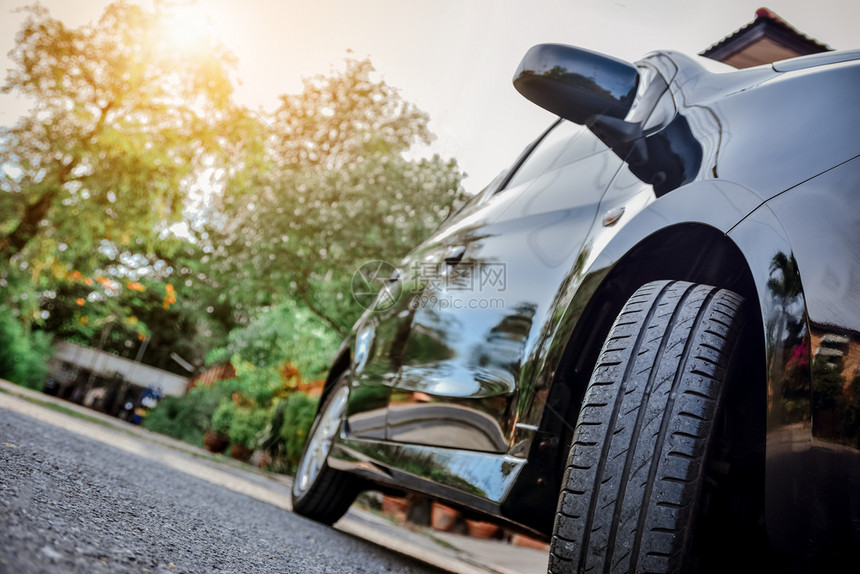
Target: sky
{"x":453,"y":58}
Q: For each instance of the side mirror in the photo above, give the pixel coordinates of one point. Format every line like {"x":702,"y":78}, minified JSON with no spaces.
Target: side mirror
{"x":577,"y":84}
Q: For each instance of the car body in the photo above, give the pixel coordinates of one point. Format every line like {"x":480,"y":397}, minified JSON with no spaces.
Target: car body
{"x":466,"y":385}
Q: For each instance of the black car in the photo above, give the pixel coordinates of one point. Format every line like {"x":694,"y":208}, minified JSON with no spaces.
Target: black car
{"x":640,"y":342}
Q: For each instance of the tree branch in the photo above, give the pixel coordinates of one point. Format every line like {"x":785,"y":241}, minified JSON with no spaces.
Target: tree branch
{"x":14,"y":242}
{"x":28,"y":227}
{"x":307,"y":301}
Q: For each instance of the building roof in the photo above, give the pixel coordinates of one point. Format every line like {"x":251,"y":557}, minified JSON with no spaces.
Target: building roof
{"x":766,"y":39}
{"x":76,"y":358}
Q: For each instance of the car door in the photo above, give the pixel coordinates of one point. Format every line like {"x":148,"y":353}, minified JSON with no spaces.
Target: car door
{"x":488,"y":281}
{"x":383,"y":330}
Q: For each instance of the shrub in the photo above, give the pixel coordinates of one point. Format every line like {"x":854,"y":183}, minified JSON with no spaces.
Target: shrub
{"x":286,"y":332}
{"x":256,"y":409}
{"x":246,"y":425}
{"x":189,"y":417}
{"x":287,"y":432}
{"x":299,"y":415}
{"x":24,"y":354}
{"x":222,"y":418}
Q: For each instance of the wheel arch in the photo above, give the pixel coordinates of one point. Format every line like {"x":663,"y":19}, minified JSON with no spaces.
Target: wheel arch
{"x":754,"y":258}
{"x":699,"y":249}
{"x":691,"y":252}
{"x":340,"y":364}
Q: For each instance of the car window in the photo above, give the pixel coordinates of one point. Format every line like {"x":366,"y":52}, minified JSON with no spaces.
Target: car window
{"x":565,"y":143}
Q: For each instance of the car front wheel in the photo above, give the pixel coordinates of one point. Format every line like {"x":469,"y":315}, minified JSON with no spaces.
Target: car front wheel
{"x":319,"y":491}
{"x":635,"y":482}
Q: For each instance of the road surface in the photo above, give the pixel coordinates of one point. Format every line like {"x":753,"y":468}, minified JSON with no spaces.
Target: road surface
{"x":112,"y":503}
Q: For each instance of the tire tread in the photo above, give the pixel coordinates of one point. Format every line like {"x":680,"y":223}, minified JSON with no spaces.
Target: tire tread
{"x":637,"y":454}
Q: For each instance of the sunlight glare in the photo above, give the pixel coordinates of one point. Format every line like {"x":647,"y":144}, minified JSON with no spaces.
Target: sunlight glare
{"x":187,"y":28}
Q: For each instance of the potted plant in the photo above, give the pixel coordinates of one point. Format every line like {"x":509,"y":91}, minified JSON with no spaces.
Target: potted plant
{"x":217,"y":437}
{"x":481,"y":529}
{"x":443,"y":518}
{"x":246,"y":425}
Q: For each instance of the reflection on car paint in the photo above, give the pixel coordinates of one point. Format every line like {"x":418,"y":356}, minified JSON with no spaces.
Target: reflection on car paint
{"x":480,"y":478}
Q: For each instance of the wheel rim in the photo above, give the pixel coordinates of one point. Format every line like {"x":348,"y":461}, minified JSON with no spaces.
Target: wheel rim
{"x":319,"y":444}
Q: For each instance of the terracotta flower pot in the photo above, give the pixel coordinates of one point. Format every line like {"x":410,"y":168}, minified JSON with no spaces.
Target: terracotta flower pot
{"x":528,"y":542}
{"x":394,"y":506}
{"x":480,"y":529}
{"x":443,"y":518}
{"x":241,"y":452}
{"x":215,"y":442}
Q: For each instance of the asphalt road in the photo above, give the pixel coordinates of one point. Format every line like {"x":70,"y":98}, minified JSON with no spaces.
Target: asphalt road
{"x":69,"y":503}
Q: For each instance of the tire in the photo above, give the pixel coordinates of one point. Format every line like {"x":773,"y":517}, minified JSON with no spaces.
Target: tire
{"x":320,"y":492}
{"x":634,"y":482}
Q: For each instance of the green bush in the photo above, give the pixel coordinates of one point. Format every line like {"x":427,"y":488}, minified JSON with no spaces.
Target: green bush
{"x":242,"y":425}
{"x":286,"y":332}
{"x":299,"y":415}
{"x":222,"y":418}
{"x":287,"y":432}
{"x":247,"y":425}
{"x":24,"y":354}
{"x":189,"y":417}
{"x":255,"y":409}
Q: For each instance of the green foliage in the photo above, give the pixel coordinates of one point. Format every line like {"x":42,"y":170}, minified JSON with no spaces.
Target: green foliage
{"x":333,"y":190}
{"x":24,"y":354}
{"x":124,"y":123}
{"x":247,"y":425}
{"x":117,"y":315}
{"x":240,"y":408}
{"x":189,"y":417}
{"x":121,"y":120}
{"x":851,"y":416}
{"x":288,"y":429}
{"x":222,"y":418}
{"x":257,"y":385}
{"x":299,"y":414}
{"x":285,"y":332}
{"x":829,"y":383}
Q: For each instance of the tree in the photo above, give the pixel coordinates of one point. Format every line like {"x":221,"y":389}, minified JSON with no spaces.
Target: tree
{"x":148,"y":318}
{"x":122,"y":120}
{"x":128,"y":125}
{"x":334,"y":188}
{"x":126,"y":120}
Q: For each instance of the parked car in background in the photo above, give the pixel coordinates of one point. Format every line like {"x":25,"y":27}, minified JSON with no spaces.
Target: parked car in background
{"x":641,"y":342}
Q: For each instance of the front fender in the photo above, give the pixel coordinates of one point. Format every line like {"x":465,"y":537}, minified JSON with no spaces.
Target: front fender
{"x":655,"y":242}
{"x":813,"y":379}
{"x":681,"y":235}
{"x":782,"y":305}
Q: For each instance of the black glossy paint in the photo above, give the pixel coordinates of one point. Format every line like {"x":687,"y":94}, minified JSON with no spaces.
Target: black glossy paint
{"x":814,"y":461}
{"x":575,"y":83}
{"x":748,"y":180}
